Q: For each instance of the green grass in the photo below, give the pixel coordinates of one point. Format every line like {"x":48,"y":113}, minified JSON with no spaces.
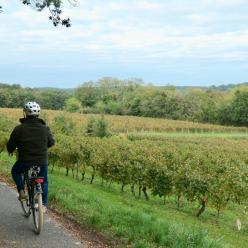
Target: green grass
{"x":122,"y":216}
{"x":106,"y":200}
{"x":136,"y":221}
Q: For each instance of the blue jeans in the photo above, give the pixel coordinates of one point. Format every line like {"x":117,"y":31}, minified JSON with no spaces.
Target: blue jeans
{"x":17,"y":173}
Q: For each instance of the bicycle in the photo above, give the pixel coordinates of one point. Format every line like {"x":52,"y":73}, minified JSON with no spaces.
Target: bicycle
{"x":33,"y":203}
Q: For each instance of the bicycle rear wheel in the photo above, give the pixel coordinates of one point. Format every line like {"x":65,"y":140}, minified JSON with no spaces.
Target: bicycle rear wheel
{"x":26,"y":204}
{"x":38,"y":213}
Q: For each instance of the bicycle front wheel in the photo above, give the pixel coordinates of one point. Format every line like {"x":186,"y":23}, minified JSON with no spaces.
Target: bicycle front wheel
{"x":38,"y":213}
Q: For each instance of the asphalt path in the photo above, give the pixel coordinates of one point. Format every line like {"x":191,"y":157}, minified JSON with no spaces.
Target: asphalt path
{"x":18,"y":231}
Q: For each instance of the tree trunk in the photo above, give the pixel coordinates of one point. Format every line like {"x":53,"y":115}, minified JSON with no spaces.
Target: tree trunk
{"x":218,"y":212}
{"x":122,"y":187}
{"x":145,"y":193}
{"x":178,"y":201}
{"x":92,"y":178}
{"x":203,"y":206}
{"x":77,"y":171}
{"x":132,"y":189}
{"x":140,"y":191}
{"x":83,"y":173}
{"x":52,"y":168}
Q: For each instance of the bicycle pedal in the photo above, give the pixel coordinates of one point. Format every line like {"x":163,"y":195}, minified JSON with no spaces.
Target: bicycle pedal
{"x":22,"y":200}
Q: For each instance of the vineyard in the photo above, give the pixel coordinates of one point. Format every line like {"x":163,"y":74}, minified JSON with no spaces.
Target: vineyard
{"x":203,"y":172}
{"x":209,"y":171}
{"x":214,"y":173}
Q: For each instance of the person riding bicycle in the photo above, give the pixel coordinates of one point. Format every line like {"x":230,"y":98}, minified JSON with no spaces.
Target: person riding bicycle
{"x":31,"y":138}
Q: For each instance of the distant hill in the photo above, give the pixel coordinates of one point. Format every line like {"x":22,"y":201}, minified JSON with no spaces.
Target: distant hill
{"x":223,"y":87}
{"x":68,"y":90}
{"x":18,"y":86}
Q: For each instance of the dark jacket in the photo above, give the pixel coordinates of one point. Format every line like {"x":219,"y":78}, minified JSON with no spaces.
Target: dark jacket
{"x":32,"y":138}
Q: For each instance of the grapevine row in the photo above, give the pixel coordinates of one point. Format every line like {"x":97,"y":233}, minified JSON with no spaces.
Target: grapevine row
{"x":206,"y":171}
{"x":209,"y":174}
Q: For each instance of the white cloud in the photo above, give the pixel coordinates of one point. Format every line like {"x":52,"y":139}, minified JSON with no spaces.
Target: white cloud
{"x":225,"y":2}
{"x":135,"y":5}
{"x":121,"y":30}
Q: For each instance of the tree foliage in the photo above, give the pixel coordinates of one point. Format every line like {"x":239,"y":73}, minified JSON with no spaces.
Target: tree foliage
{"x":132,"y":97}
{"x":54,"y":7}
{"x":97,"y":127}
{"x":14,"y":96}
{"x":73,"y":105}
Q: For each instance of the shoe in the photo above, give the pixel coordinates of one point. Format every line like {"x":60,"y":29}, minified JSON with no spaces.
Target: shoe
{"x":44,"y":209}
{"x":22,"y":196}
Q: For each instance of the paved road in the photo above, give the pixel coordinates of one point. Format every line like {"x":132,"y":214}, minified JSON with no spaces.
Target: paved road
{"x":17,"y":231}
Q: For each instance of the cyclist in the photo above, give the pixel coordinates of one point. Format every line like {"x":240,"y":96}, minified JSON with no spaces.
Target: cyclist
{"x":32,"y":138}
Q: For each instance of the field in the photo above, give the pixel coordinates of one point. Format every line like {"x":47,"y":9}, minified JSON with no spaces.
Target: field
{"x":124,"y":124}
{"x":152,"y":182}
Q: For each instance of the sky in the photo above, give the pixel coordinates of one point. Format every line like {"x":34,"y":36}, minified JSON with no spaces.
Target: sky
{"x":178,"y":42}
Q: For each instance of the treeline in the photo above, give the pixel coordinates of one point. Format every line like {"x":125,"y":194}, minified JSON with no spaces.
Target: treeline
{"x":226,"y":106}
{"x":14,"y":96}
{"x":133,"y":97}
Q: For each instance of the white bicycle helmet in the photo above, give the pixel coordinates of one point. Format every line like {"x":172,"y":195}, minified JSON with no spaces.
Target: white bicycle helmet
{"x":31,"y":109}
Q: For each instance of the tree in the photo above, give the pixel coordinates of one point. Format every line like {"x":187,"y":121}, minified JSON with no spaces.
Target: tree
{"x":72,"y":105}
{"x":87,"y":94}
{"x":97,"y":127}
{"x":55,"y":8}
{"x":240,"y":108}
{"x":52,"y":99}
